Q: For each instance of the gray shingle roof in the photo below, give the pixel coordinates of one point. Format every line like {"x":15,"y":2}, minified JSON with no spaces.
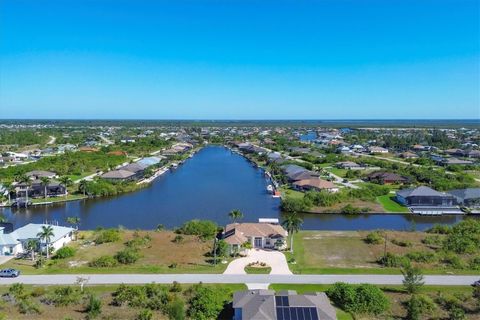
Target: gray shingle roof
{"x":118,"y":174}
{"x":421,"y":191}
{"x":262,"y":304}
{"x":465,"y":194}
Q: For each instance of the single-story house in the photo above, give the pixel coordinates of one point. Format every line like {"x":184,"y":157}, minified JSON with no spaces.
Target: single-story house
{"x":347,"y":165}
{"x":119,"y":175}
{"x":137,"y":168}
{"x":275,"y":157}
{"x":386,"y":178}
{"x":38,"y":174}
{"x":408,"y":155}
{"x":469,"y":197}
{"x":425,"y":196}
{"x":15,"y":242}
{"x":307,"y":174}
{"x":314,"y":184}
{"x":260,"y":235}
{"x":375,"y":149}
{"x":292,"y":171}
{"x":264,"y":304}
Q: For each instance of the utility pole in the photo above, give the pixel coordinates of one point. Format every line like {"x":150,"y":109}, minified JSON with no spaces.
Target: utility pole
{"x":385,"y":250}
{"x":215,"y":251}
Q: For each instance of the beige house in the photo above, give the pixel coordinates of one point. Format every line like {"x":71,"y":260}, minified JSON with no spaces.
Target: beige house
{"x":259,"y":235}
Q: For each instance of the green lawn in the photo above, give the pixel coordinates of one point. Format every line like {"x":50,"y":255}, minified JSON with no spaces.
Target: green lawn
{"x":286,"y":192}
{"x":390,"y":205}
{"x":70,"y":197}
{"x":338,"y":172}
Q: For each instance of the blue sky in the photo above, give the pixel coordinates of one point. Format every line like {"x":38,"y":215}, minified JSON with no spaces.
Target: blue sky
{"x":230,"y":59}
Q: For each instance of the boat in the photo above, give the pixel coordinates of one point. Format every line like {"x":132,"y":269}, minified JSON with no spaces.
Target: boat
{"x":270,"y":188}
{"x":277,"y":194}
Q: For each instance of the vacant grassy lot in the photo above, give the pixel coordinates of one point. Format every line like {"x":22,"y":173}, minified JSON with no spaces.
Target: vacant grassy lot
{"x":346,"y":252}
{"x":398,"y":297}
{"x":160,"y":255}
{"x":389,"y":205}
{"x":104,"y":293}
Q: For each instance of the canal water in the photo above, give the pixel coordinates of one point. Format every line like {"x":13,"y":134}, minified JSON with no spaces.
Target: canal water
{"x":207,"y":186}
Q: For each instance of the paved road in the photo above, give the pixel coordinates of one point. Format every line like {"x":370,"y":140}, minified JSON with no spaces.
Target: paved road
{"x":230,"y":278}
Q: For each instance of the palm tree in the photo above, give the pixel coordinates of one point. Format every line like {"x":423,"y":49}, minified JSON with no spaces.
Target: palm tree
{"x":9,"y":188}
{"x":235,"y":215}
{"x":66,"y":181}
{"x":75,"y":221}
{"x":32,"y":245}
{"x":26,"y":180}
{"x":45,"y":181}
{"x":82,"y":186}
{"x":292,"y":223}
{"x":46,"y":234}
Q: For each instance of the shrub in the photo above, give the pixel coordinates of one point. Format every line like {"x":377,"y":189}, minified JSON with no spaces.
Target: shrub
{"x":401,"y":243}
{"x":138,"y":241}
{"x":103,"y":262}
{"x":17,"y":290}
{"x":94,"y":307}
{"x":374,"y":237}
{"x":176,"y":309}
{"x":453,"y":260}
{"x":440,"y":229}
{"x":145,"y":314}
{"x":205,"y":229}
{"x":178,"y":238}
{"x":176,"y":287}
{"x":421,"y":256}
{"x":64,"y":296}
{"x":27,"y":306}
{"x":475,"y":263}
{"x":419,"y":305}
{"x":391,"y":260}
{"x":127,"y":256}
{"x":349,"y":209}
{"x":65,"y":252}
{"x":432,"y":240}
{"x":359,"y":299}
{"x":206,"y":303}
{"x":38,"y":292}
{"x":296,"y":205}
{"x":464,"y":237}
{"x":107,"y":235}
{"x":457,"y":313}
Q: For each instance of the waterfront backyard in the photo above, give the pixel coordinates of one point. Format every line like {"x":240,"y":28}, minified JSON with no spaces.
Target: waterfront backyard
{"x":348,"y":252}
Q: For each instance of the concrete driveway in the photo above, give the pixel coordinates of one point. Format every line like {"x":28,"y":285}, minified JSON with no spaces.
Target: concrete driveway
{"x":275,"y":259}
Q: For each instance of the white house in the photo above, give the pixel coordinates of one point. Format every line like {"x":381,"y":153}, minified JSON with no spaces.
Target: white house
{"x":15,"y":242}
{"x":265,"y":234}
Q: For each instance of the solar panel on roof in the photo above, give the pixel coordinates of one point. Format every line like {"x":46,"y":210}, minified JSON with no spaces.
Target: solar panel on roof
{"x":293,"y":314}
